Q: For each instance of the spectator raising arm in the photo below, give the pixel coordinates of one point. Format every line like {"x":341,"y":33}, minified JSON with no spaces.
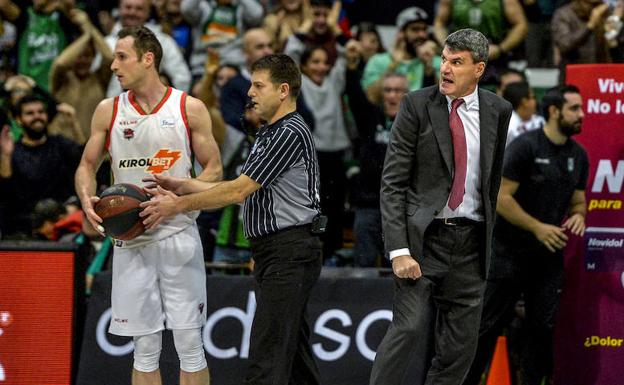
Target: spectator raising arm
{"x":518,"y":29}
{"x":65,"y":61}
{"x":442,"y":17}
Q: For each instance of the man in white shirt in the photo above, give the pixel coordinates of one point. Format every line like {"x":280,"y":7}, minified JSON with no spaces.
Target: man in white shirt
{"x":523,"y":118}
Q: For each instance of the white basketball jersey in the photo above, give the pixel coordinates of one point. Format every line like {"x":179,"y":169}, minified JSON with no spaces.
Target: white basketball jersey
{"x":142,"y":144}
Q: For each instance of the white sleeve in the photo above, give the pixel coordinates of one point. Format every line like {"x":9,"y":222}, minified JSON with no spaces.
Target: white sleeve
{"x":398,"y":252}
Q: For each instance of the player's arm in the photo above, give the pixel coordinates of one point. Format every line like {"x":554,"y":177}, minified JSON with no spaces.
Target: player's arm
{"x":508,"y":207}
{"x":204,"y":145}
{"x":92,"y":158}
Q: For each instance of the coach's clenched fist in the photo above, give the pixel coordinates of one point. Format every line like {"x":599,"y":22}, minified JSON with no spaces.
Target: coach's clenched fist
{"x":405,"y":266}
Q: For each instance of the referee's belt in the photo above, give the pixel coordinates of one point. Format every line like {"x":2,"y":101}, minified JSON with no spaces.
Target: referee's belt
{"x":457,"y":221}
{"x":293,"y":232}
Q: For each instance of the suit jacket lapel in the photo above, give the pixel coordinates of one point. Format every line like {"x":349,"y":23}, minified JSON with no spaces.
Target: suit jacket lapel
{"x":488,"y":127}
{"x":439,"y":115}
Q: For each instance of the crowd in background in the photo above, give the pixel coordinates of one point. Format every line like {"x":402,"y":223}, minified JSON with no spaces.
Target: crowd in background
{"x":55,"y":58}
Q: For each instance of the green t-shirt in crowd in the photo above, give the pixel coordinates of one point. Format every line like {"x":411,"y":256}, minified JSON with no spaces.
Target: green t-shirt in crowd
{"x":40,"y":43}
{"x":486,"y":16}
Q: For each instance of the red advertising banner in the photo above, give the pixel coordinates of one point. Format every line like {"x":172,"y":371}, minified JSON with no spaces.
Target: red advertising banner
{"x":589,"y":337}
{"x":36,"y":312}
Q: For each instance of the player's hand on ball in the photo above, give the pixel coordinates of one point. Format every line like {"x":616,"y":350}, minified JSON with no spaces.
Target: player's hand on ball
{"x":405,"y":266}
{"x":94,"y":219}
{"x":162,"y":205}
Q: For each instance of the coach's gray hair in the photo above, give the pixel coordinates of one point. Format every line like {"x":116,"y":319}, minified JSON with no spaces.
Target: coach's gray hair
{"x":469,"y":40}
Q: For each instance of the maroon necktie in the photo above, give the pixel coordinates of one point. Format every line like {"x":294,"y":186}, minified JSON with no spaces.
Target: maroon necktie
{"x":460,"y":154}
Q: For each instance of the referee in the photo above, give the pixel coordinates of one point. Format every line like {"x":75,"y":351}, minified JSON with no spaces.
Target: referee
{"x":279,"y":186}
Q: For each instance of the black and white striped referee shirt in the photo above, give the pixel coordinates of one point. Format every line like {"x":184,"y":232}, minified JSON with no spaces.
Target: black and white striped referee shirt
{"x":282,"y":160}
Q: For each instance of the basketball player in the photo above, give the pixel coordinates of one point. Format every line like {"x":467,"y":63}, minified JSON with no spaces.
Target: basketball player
{"x":158,"y":277}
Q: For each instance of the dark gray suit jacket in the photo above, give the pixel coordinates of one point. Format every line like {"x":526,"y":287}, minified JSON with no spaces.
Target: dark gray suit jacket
{"x":418,"y":169}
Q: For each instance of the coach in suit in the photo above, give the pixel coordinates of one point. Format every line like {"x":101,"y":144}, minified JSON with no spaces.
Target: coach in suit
{"x":438,"y":197}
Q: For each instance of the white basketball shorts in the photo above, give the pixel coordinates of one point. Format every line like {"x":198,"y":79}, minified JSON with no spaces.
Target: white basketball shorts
{"x":163,"y":282}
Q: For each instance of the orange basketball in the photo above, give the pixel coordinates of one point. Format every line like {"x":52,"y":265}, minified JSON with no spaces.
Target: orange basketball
{"x":119,"y":209}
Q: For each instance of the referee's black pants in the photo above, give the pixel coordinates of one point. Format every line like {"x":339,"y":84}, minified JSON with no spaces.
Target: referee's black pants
{"x":287,"y":265}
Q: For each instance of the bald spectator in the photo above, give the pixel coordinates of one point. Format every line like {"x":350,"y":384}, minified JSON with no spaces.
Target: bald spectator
{"x":218,"y":25}
{"x":414,"y":55}
{"x":256,"y":44}
{"x":71,"y":80}
{"x":502,"y":21}
{"x":134,"y":13}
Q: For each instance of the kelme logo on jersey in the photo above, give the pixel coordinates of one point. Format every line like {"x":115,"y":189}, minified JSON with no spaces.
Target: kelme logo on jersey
{"x":162,"y":161}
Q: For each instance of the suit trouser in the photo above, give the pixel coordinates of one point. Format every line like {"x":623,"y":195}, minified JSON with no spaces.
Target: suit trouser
{"x":287,"y":265}
{"x":541,"y":286}
{"x":452,"y":288}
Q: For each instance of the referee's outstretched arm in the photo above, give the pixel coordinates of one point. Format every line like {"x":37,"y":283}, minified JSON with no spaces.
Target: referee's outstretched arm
{"x":165,"y":204}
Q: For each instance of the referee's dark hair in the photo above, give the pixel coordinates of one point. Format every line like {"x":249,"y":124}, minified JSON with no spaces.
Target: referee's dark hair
{"x":515,"y":92}
{"x":556,"y":97}
{"x":282,"y":69}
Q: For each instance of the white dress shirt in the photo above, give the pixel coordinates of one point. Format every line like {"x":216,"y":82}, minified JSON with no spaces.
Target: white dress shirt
{"x":518,"y":127}
{"x":471,"y":207}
